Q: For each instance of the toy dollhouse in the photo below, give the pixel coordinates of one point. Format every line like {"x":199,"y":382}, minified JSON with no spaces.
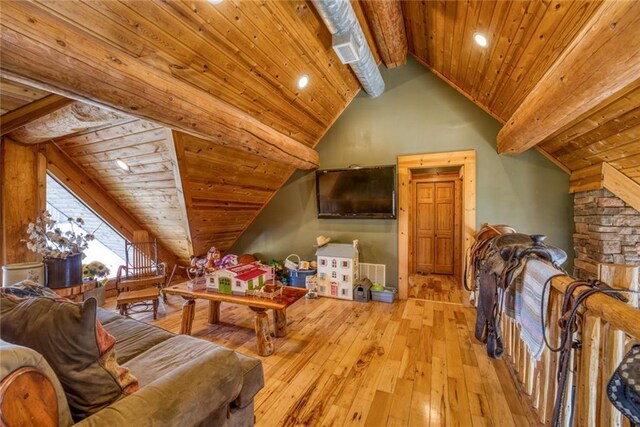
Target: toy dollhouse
{"x":238,"y":279}
{"x":337,"y":269}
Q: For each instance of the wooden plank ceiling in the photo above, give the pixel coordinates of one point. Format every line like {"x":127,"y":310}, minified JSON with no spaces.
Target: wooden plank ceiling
{"x":225,"y":191}
{"x":609,"y":133}
{"x":148,"y":190}
{"x":14,"y":95}
{"x":525,"y":38}
{"x":247,"y":54}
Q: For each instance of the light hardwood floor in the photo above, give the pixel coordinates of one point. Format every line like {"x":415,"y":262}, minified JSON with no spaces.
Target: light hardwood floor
{"x":411,"y":363}
{"x":437,"y":287}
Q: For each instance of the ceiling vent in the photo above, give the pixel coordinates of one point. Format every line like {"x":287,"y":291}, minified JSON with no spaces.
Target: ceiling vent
{"x":346,"y":47}
{"x":350,"y":44}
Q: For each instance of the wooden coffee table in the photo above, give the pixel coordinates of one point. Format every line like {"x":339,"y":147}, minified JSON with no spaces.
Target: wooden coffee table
{"x":258,"y":305}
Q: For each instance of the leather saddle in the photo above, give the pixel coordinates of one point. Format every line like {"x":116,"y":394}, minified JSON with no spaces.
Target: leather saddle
{"x":501,"y":257}
{"x":518,"y":245}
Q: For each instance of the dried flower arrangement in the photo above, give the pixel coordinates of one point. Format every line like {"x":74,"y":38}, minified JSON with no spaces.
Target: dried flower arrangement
{"x":51,"y":242}
{"x":97,"y":271}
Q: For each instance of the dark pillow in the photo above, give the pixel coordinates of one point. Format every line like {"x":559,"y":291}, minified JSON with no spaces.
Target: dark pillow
{"x":29,"y":288}
{"x":79,"y":350}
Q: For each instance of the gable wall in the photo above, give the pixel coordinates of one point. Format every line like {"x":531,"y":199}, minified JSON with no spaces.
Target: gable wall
{"x":418,"y":113}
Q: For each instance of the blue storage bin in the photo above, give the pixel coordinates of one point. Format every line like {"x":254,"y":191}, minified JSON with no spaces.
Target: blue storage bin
{"x":298,"y":278}
{"x":388,"y":295}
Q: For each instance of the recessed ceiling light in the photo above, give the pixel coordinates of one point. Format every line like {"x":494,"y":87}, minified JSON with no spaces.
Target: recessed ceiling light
{"x":303,"y":81}
{"x":215,"y":1}
{"x":480,"y":39}
{"x":122,"y":165}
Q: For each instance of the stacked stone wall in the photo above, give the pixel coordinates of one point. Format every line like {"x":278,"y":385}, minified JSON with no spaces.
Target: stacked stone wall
{"x":607,"y":231}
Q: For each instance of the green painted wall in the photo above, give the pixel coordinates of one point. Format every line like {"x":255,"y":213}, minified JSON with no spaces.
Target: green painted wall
{"x":418,"y":113}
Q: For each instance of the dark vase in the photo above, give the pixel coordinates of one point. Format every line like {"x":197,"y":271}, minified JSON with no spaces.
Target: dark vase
{"x":62,"y":273}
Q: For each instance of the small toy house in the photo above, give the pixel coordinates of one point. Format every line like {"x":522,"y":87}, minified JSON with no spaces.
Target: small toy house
{"x":238,"y":279}
{"x":362,"y":290}
{"x":337,"y":269}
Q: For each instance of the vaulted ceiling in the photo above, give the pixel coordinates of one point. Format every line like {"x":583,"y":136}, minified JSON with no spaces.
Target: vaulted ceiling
{"x":212,"y":122}
{"x":525,"y":39}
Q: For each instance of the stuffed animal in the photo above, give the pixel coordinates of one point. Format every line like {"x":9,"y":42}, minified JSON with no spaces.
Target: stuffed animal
{"x":228,"y":260}
{"x":213,"y":258}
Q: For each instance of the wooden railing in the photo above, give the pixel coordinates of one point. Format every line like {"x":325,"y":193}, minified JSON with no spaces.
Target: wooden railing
{"x":607,"y":330}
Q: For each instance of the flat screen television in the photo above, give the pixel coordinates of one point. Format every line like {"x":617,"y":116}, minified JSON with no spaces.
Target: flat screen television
{"x":368,"y":192}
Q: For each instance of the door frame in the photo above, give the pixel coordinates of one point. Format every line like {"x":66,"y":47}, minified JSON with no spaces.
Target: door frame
{"x":466,"y":160}
{"x":456,"y":179}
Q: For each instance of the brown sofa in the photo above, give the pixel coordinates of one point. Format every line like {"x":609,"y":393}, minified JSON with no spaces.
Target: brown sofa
{"x":184,"y":381}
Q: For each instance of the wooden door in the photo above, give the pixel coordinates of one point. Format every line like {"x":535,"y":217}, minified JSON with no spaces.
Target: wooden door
{"x":434,"y":227}
{"x":425,"y":227}
{"x":444,"y":227}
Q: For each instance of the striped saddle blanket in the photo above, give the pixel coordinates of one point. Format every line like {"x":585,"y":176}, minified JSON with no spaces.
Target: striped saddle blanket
{"x":526,"y":294}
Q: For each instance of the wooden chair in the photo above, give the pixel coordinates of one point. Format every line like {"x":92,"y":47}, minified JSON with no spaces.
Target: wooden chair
{"x":142,"y":277}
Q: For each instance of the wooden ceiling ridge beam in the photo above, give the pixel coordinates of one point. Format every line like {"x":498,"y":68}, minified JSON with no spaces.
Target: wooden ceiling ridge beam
{"x":387,"y":22}
{"x":26,"y":114}
{"x":123,"y":82}
{"x":601,"y":61}
{"x":90,"y":192}
{"x":72,"y":118}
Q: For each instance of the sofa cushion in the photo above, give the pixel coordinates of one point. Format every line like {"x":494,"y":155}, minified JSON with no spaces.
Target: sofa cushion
{"x":14,"y":357}
{"x":134,"y":337}
{"x":74,"y":343}
{"x":186,"y":382}
{"x":107,"y":316}
{"x":177,"y":351}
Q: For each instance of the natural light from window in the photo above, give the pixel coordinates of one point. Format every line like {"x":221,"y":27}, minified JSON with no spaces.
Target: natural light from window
{"x":108,"y":246}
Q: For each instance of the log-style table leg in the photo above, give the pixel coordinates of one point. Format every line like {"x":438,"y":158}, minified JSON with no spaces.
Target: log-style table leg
{"x":214,"y":312}
{"x":280,"y":322}
{"x":264,"y":341}
{"x":188,"y":313}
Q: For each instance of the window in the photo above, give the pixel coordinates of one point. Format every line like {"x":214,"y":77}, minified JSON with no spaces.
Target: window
{"x":108,"y":245}
{"x":322,"y":276}
{"x":334,"y":275}
{"x":225,"y":281}
{"x":345,"y":264}
{"x":334,"y":263}
{"x":345,"y":278}
{"x":345,"y":292}
{"x":323,"y":262}
{"x":238,"y":284}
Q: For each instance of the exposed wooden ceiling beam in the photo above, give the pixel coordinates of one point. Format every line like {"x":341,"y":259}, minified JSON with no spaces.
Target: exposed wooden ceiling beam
{"x":602,"y":60}
{"x":71,"y":119}
{"x":387,"y":22}
{"x":91,"y":193}
{"x":54,"y":54}
{"x":19,"y":117}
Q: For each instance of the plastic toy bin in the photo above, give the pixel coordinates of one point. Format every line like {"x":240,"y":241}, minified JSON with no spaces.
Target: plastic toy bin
{"x":388,"y":295}
{"x":298,"y":278}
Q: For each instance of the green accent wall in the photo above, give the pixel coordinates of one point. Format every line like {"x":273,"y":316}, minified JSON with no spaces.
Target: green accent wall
{"x":418,"y":113}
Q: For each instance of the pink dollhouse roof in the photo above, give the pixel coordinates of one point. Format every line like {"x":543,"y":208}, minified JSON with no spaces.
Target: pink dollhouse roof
{"x":242,"y":268}
{"x":251,"y":274}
